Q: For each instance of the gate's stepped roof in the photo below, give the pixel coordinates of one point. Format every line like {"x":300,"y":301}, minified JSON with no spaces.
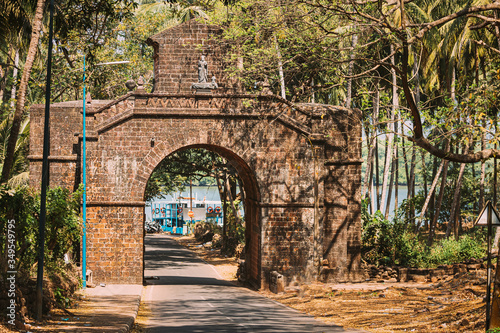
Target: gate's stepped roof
{"x":176,"y":54}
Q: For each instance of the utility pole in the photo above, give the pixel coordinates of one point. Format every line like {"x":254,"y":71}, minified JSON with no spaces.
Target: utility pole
{"x":45,"y":175}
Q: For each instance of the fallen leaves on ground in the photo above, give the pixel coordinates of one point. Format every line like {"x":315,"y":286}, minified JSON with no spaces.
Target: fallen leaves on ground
{"x":455,"y":304}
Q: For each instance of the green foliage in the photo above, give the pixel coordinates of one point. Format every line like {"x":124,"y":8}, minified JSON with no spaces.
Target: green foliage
{"x":61,"y":298}
{"x":235,"y":229}
{"x":63,"y":222}
{"x":62,"y":226}
{"x":377,"y":238}
{"x":409,"y":250}
{"x":264,"y":34}
{"x":493,"y":330}
{"x":388,"y":242}
{"x":392,"y":243}
{"x":449,"y":251}
{"x":17,"y":205}
{"x":176,"y":170}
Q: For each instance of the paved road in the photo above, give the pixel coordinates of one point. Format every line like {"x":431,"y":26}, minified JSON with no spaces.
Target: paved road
{"x":190,"y":296}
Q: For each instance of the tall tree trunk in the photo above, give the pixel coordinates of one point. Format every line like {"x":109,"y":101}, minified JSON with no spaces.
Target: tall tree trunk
{"x":280,"y":68}
{"x":21,"y":96}
{"x":376,"y":107}
{"x":483,"y":171}
{"x":389,"y":192}
{"x":396,"y":183}
{"x":385,"y":173}
{"x":377,"y":180}
{"x":411,"y":184}
{"x":405,"y":161}
{"x":242,"y":192}
{"x":431,"y":191}
{"x":396,"y":163}
{"x":424,"y":177}
{"x":369,"y":142}
{"x":373,"y":147}
{"x":455,"y":206}
{"x":14,"y":79}
{"x":390,"y":134}
{"x":373,"y":195}
{"x":231,"y":191}
{"x":350,"y":70}
{"x":222,"y":194}
{"x":432,"y":228}
{"x":407,"y":173}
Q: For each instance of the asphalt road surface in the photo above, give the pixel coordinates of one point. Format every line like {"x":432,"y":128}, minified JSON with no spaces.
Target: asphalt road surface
{"x":190,"y":296}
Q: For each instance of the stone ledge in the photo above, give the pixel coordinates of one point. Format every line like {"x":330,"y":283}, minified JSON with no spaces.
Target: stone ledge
{"x":116,"y":203}
{"x":62,"y":158}
{"x":344,"y":162}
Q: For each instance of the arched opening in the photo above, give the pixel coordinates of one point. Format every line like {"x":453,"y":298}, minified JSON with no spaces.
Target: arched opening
{"x":211,"y":184}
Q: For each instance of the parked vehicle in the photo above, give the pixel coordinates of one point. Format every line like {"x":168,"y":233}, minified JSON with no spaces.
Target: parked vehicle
{"x":153,"y":226}
{"x":172,"y":215}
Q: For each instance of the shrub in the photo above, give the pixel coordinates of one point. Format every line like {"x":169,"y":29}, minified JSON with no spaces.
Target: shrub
{"x":62,"y":235}
{"x":204,"y":231}
{"x":409,"y":250}
{"x":449,"y":251}
{"x":392,"y":243}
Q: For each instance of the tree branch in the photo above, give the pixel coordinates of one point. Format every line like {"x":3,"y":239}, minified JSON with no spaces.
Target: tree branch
{"x":448,"y":18}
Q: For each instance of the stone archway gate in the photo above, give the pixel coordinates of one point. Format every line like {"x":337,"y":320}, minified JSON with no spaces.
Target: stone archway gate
{"x":300,"y":166}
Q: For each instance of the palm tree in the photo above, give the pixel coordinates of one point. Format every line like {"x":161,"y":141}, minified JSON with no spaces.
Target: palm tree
{"x":15,"y":31}
{"x":19,"y":168}
{"x":9,"y":155}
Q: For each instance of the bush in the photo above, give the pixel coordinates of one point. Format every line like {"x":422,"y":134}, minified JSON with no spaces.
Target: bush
{"x":204,"y":231}
{"x":383,"y":241}
{"x":392,"y":243}
{"x":409,"y":250}
{"x":62,"y":234}
{"x":449,"y":251}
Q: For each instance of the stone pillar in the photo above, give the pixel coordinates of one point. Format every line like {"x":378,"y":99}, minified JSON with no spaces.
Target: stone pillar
{"x":115,"y":243}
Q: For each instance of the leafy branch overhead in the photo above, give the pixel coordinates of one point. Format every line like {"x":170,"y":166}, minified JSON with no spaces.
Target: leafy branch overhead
{"x":178,"y":169}
{"x":445,"y":55}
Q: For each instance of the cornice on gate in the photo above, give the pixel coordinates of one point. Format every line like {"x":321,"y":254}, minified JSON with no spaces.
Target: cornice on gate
{"x":321,"y":124}
{"x":209,"y":106}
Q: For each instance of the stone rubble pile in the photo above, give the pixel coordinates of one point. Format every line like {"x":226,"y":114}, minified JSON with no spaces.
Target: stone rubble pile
{"x":401,"y":274}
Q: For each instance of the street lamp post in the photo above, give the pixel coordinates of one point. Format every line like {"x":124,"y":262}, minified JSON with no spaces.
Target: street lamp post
{"x":84,"y":181}
{"x":84,"y":173}
{"x":45,"y":175}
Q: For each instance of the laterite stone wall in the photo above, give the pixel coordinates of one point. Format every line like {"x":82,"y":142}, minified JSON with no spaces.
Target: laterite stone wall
{"x":176,"y":54}
{"x":300,"y":165}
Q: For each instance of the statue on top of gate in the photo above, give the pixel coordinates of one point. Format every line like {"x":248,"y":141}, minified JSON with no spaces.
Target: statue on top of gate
{"x":202,"y":70}
{"x":203,"y":85}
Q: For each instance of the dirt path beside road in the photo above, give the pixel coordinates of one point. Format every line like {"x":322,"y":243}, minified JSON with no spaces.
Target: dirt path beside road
{"x":453,"y":305}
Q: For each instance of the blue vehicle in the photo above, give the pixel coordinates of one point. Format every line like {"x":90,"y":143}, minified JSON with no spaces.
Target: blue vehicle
{"x":169,"y":215}
{"x":173,"y":215}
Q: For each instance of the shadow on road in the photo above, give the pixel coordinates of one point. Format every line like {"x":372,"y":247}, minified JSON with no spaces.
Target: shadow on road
{"x":189,"y":296}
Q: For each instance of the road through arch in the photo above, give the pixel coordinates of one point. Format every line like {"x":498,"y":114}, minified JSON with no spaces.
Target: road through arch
{"x":251,"y":196}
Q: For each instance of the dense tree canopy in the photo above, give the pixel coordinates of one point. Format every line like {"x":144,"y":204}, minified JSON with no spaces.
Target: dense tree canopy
{"x":424,"y":73}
